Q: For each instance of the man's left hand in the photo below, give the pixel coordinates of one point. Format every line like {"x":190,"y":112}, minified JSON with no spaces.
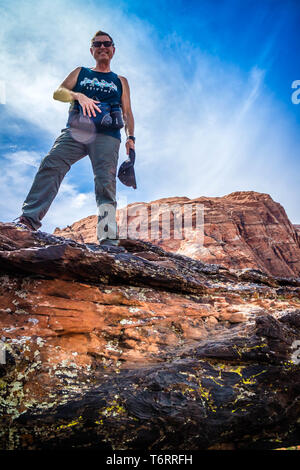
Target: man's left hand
{"x":129,"y":145}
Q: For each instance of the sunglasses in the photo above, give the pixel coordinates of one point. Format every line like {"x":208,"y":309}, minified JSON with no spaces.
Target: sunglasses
{"x":105,"y":43}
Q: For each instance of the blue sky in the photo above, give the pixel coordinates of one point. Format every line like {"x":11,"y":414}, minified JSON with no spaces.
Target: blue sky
{"x":211,"y":89}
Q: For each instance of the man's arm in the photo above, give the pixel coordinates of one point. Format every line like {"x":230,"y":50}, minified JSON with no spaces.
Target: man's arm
{"x":127,"y":113}
{"x":64,"y":91}
{"x":65,"y":94}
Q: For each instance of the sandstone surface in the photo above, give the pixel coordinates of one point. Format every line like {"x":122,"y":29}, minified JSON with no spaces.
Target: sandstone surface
{"x":244,"y":229}
{"x":297,"y":229}
{"x":142,"y":350}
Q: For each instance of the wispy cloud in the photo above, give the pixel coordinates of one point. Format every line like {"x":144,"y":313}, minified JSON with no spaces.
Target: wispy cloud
{"x":15,"y":178}
{"x":21,"y":158}
{"x":19,"y":169}
{"x":203,"y":126}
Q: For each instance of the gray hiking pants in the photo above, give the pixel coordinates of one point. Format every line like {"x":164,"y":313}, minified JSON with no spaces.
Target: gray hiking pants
{"x":103,"y":152}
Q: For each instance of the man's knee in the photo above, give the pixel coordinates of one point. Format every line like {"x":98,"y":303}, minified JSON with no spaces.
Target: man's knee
{"x":105,"y":188}
{"x":54,"y":162}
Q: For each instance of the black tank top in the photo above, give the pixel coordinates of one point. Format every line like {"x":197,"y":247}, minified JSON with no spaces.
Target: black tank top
{"x":103,"y":86}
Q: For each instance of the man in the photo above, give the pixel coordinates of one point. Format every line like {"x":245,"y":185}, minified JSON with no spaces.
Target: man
{"x":86,"y":88}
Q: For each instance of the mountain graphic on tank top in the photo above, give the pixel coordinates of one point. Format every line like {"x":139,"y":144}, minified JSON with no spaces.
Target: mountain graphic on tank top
{"x":94,"y":84}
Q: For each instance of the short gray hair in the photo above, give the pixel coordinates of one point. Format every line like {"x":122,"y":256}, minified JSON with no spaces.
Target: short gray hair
{"x":102,"y":33}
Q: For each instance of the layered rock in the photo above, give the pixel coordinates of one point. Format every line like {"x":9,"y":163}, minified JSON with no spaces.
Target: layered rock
{"x":142,"y":350}
{"x":297,"y":230}
{"x":244,"y":229}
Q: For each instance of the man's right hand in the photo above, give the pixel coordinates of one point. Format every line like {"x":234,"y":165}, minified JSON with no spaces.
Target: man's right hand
{"x":89,"y":106}
{"x":64,"y":93}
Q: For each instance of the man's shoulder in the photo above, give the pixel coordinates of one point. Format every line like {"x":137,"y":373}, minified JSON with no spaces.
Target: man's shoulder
{"x":75,"y":72}
{"x":124,"y":82}
{"x":77,"y":69}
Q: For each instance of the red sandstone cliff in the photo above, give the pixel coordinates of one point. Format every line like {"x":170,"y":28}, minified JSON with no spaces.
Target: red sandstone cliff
{"x":297,"y":229}
{"x":244,"y":229}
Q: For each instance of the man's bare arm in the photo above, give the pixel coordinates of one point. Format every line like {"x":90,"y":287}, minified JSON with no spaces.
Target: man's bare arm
{"x":65,"y":94}
{"x":126,"y":108}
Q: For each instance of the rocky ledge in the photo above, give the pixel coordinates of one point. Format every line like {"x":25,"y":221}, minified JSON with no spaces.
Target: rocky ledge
{"x":143,"y":349}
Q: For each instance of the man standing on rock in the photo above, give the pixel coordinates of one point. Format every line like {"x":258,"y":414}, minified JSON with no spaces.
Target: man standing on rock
{"x":93,"y":128}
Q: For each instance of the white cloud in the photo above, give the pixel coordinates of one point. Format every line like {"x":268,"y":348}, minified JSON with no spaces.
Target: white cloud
{"x":209,"y":131}
{"x":22,"y":158}
{"x":18,"y":170}
{"x":70,"y":205}
{"x":15,"y":180}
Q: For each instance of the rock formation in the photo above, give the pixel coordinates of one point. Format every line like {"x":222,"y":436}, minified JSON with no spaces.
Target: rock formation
{"x":297,"y":229}
{"x":244,"y":229}
{"x":142,"y":350}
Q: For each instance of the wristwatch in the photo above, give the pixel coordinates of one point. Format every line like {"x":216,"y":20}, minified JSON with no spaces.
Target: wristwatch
{"x":131,"y":137}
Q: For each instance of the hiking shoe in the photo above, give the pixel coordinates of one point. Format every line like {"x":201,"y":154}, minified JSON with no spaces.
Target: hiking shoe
{"x":107,"y":247}
{"x":22,"y":220}
{"x":111,"y":246}
{"x":93,"y":246}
